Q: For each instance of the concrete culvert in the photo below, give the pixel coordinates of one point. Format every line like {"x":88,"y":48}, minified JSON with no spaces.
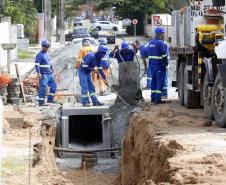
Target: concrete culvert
{"x":85,"y":129}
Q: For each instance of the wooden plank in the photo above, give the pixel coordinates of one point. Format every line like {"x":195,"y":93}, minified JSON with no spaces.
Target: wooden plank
{"x":65,"y":94}
{"x":21,"y":83}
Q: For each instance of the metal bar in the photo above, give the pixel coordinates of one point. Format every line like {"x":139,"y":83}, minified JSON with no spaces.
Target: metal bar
{"x":87,"y":151}
{"x":21,"y":83}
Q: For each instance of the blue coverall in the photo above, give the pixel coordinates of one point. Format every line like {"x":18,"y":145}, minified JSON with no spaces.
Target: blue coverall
{"x":89,"y":62}
{"x":156,"y":51}
{"x":105,"y":62}
{"x":165,"y":86}
{"x":123,"y":56}
{"x":44,"y":67}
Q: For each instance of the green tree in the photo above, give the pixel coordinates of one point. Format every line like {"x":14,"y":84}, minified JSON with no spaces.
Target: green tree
{"x":21,"y":12}
{"x":39,"y":7}
{"x":72,"y":7}
{"x":134,"y":9}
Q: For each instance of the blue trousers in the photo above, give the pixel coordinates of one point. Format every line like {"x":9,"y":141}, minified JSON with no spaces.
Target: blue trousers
{"x":87,"y":86}
{"x":44,"y":81}
{"x":149,"y":77}
{"x":158,"y":77}
{"x":165,"y":85}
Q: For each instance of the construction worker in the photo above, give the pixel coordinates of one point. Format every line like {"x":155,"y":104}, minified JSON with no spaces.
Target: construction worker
{"x":44,"y":70}
{"x":165,"y":85}
{"x":105,"y":66}
{"x":125,"y":54}
{"x":156,"y":51}
{"x":90,"y":61}
{"x":86,"y":48}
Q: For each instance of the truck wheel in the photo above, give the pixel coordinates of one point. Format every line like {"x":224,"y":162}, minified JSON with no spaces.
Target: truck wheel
{"x":219,"y":102}
{"x":207,"y":98}
{"x":180,"y":80}
{"x":191,"y":98}
{"x":98,"y":28}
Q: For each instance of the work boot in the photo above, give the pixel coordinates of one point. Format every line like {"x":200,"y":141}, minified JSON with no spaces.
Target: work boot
{"x":164,"y":97}
{"x":98,"y":104}
{"x":101,"y":93}
{"x":86,"y":105}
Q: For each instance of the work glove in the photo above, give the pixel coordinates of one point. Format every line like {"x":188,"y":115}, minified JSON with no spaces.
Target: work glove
{"x":116,"y":47}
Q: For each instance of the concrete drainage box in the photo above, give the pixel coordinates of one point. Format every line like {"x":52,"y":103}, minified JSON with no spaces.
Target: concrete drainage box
{"x":85,"y":128}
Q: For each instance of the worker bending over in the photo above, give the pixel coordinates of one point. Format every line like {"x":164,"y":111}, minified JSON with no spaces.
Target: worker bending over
{"x":125,"y":54}
{"x":88,"y":64}
{"x":156,"y":52}
{"x":99,"y":82}
{"x":44,"y":70}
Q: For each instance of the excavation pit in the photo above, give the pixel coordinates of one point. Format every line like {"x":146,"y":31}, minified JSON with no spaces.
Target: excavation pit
{"x":85,"y":128}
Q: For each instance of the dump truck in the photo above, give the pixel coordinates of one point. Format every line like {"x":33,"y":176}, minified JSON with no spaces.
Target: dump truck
{"x":199,"y":48}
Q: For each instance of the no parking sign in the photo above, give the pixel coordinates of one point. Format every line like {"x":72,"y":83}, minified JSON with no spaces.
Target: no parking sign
{"x":135,"y":21}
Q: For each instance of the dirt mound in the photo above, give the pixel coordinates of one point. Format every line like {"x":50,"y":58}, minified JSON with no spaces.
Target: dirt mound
{"x":144,"y":158}
{"x":167,"y":144}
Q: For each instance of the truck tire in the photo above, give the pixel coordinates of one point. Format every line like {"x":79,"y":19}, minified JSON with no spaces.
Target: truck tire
{"x":98,"y":28}
{"x":207,"y":98}
{"x":191,"y":98}
{"x":219,"y":102}
{"x":180,"y":80}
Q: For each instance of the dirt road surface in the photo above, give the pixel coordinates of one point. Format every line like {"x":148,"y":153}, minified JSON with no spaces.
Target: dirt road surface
{"x":164,"y":144}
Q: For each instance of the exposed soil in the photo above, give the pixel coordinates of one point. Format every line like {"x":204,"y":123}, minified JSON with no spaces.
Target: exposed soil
{"x":167,"y":144}
{"x":15,"y":157}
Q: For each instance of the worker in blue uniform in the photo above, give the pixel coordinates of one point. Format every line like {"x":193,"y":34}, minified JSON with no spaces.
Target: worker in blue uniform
{"x":105,"y":63}
{"x":156,"y":52}
{"x":165,"y":86}
{"x":125,"y":54}
{"x":90,"y":61}
{"x":44,"y":70}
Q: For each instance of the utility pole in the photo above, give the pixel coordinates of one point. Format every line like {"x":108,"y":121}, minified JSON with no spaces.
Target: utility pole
{"x":47,"y":15}
{"x":60,"y":21}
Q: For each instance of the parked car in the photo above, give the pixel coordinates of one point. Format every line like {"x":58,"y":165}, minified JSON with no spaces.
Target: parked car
{"x":93,"y":20}
{"x":78,"y":32}
{"x":77,"y":21}
{"x":106,"y":25}
{"x":78,"y":42}
{"x":94,"y":32}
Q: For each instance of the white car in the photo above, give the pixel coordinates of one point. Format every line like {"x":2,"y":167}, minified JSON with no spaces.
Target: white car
{"x":106,"y":25}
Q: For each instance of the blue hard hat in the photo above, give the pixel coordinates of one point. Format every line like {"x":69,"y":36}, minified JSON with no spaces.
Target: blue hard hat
{"x":124,"y":45}
{"x":102,"y":48}
{"x":45,"y":43}
{"x":103,"y":41}
{"x":159,"y":30}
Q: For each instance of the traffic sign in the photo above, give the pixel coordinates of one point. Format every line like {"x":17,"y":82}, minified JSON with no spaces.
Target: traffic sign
{"x":157,"y":20}
{"x":135,"y":21}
